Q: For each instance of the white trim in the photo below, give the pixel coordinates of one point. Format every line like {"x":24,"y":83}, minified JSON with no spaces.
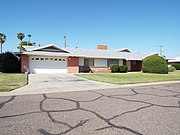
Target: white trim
{"x":81,"y":61}
{"x":120,"y":62}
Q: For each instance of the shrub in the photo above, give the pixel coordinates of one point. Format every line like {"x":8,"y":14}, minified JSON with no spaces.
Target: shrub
{"x":9,"y":63}
{"x":155,"y":64}
{"x":176,"y":65}
{"x":171,"y":68}
{"x":114,"y":68}
{"x":123,"y":69}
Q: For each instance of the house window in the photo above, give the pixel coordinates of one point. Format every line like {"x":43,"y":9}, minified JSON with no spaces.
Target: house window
{"x":112,"y":61}
{"x":46,"y":58}
{"x":55,"y":59}
{"x":42,"y":58}
{"x":37,"y":58}
{"x":60,"y":59}
{"x":32,"y":58}
{"x":88,"y":62}
{"x":51,"y":58}
{"x":124,"y":62}
{"x":63,"y":59}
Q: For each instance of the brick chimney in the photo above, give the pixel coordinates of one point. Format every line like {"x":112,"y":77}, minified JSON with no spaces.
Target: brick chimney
{"x":102,"y":47}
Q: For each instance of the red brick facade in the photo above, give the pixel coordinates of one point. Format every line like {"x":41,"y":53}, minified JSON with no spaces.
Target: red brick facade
{"x":102,"y":47}
{"x":24,"y":63}
{"x":73,"y":65}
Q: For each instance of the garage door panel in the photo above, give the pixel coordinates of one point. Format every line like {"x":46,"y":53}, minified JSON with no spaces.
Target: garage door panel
{"x":42,"y":71}
{"x":48,"y":64}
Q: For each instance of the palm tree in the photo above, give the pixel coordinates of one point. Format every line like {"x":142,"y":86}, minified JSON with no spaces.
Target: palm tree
{"x":20,"y":36}
{"x":2,"y":39}
{"x":29,"y":37}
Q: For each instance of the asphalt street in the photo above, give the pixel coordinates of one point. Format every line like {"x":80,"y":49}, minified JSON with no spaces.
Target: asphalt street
{"x":138,"y":110}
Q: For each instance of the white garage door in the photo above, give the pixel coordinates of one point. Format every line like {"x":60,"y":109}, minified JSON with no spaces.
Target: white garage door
{"x":48,"y":64}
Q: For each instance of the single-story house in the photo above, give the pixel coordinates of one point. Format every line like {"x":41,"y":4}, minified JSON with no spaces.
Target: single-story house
{"x":174,"y":60}
{"x":52,"y":59}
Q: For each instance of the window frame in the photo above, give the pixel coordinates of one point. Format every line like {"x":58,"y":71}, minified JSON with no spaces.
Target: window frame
{"x":112,"y":61}
{"x":88,"y":62}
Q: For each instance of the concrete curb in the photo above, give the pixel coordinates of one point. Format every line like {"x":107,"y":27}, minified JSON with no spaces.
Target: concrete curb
{"x":148,"y":84}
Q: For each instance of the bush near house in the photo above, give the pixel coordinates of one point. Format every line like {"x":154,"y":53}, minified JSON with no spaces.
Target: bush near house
{"x":171,"y":68}
{"x":123,"y":69}
{"x":177,"y":66}
{"x":116,"y":68}
{"x":9,"y":63}
{"x":155,"y":64}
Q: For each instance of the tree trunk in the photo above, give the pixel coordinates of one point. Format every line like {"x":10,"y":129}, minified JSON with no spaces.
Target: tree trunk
{"x":1,"y":48}
{"x":21,"y":46}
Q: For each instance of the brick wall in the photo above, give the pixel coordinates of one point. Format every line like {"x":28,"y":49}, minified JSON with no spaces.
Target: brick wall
{"x":102,"y":47}
{"x":100,"y":69}
{"x":94,"y":69}
{"x":24,"y":63}
{"x":73,"y":65}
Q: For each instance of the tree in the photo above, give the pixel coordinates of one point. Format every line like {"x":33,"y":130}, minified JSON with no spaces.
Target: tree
{"x":29,"y":37}
{"x":23,"y":43}
{"x":29,"y":44}
{"x":26,"y":43}
{"x":2,"y":39}
{"x":20,"y":36}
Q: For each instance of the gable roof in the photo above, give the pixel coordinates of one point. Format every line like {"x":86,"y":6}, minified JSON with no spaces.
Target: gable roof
{"x":48,"y":50}
{"x":29,"y":48}
{"x":124,"y":50}
{"x":50,"y":47}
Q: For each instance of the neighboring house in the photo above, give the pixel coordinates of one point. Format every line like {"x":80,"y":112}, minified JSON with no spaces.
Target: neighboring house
{"x":52,"y":59}
{"x":174,"y":60}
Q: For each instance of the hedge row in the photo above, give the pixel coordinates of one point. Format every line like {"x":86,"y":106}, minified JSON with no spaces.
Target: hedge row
{"x":177,"y":66}
{"x":116,"y":68}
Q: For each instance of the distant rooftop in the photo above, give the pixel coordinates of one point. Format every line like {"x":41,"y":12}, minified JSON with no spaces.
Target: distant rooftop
{"x":176,"y":59}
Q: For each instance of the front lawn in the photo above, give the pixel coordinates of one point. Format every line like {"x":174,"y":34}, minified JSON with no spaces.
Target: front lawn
{"x":10,"y":82}
{"x":131,"y":78}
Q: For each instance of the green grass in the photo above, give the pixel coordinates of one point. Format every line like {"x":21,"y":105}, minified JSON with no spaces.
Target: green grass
{"x":10,"y":82}
{"x":131,"y":78}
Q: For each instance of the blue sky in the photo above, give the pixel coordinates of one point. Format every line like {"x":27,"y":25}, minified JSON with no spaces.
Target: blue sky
{"x":140,"y":25}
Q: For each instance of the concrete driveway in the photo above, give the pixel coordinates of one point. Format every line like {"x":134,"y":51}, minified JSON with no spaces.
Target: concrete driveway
{"x":50,"y":83}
